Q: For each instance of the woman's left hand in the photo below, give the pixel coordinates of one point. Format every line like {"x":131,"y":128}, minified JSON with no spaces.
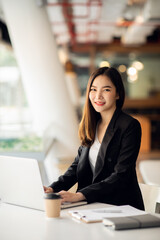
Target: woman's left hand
{"x":71,"y":197}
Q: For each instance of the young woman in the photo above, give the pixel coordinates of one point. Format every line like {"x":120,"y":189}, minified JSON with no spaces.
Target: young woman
{"x":110,"y":140}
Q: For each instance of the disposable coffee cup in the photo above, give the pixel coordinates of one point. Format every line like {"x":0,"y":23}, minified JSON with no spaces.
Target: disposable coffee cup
{"x":52,"y":205}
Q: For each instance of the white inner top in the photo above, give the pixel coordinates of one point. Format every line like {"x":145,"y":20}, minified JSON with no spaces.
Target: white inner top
{"x":93,"y":152}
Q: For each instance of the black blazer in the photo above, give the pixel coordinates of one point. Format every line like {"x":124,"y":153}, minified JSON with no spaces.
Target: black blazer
{"x":114,"y":181}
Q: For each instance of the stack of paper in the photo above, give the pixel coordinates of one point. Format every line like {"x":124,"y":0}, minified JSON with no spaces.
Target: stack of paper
{"x":97,"y":215}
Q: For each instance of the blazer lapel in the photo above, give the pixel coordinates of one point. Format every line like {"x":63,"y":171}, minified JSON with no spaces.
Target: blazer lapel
{"x":84,"y":170}
{"x":83,"y":164}
{"x":84,"y":157}
{"x":104,"y":145}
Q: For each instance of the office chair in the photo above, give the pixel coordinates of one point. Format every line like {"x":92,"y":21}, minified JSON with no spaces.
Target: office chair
{"x":149,"y":170}
{"x":151,"y":197}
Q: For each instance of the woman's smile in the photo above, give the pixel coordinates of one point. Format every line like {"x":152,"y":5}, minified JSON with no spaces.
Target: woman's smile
{"x":99,"y":103}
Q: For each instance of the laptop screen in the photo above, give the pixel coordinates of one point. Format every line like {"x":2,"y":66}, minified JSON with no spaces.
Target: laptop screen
{"x":20,"y":182}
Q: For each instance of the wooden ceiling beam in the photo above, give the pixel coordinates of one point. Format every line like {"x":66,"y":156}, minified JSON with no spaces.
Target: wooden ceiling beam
{"x":117,"y":47}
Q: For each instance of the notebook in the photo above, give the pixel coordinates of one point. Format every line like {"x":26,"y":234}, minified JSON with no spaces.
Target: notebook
{"x":138,"y":221}
{"x":21,"y":183}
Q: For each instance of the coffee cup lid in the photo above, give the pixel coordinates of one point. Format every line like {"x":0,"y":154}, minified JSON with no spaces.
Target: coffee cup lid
{"x":52,"y":196}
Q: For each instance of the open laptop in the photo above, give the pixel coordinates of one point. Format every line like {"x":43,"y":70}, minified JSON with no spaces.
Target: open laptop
{"x":21,"y":184}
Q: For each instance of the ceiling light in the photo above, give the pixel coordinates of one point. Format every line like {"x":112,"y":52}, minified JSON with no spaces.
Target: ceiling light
{"x":139,"y":19}
{"x":104,"y":64}
{"x":122,"y":68}
{"x":132,"y":78}
{"x":138,"y":65}
{"x":131,"y":71}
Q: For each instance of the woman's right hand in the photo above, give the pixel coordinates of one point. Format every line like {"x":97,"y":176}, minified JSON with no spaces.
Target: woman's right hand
{"x":48,"y":189}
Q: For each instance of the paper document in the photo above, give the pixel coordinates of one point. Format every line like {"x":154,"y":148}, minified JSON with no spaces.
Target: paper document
{"x":97,"y":215}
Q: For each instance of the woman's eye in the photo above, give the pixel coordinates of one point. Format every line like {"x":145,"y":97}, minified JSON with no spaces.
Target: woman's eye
{"x":107,"y":90}
{"x":93,"y":89}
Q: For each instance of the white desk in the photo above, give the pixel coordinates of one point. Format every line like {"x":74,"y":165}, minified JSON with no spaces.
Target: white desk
{"x":18,"y":223}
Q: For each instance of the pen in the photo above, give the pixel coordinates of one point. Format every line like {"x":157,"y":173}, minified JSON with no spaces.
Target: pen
{"x":77,"y":215}
{"x":107,"y":211}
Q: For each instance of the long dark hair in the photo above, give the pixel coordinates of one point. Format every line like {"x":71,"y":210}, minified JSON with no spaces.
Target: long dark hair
{"x":90,"y":117}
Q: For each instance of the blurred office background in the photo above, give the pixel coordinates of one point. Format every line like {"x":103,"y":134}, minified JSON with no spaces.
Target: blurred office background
{"x":48,"y":49}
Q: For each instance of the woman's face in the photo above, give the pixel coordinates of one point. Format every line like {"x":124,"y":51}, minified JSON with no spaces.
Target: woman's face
{"x":103,"y":94}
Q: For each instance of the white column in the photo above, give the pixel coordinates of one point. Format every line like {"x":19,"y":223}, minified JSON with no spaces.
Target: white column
{"x":42,"y":74}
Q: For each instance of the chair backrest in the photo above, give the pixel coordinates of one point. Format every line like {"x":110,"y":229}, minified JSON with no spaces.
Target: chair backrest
{"x":149,"y":170}
{"x":151,"y":197}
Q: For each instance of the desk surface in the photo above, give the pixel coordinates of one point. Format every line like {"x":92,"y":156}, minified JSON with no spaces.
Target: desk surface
{"x":18,"y":223}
